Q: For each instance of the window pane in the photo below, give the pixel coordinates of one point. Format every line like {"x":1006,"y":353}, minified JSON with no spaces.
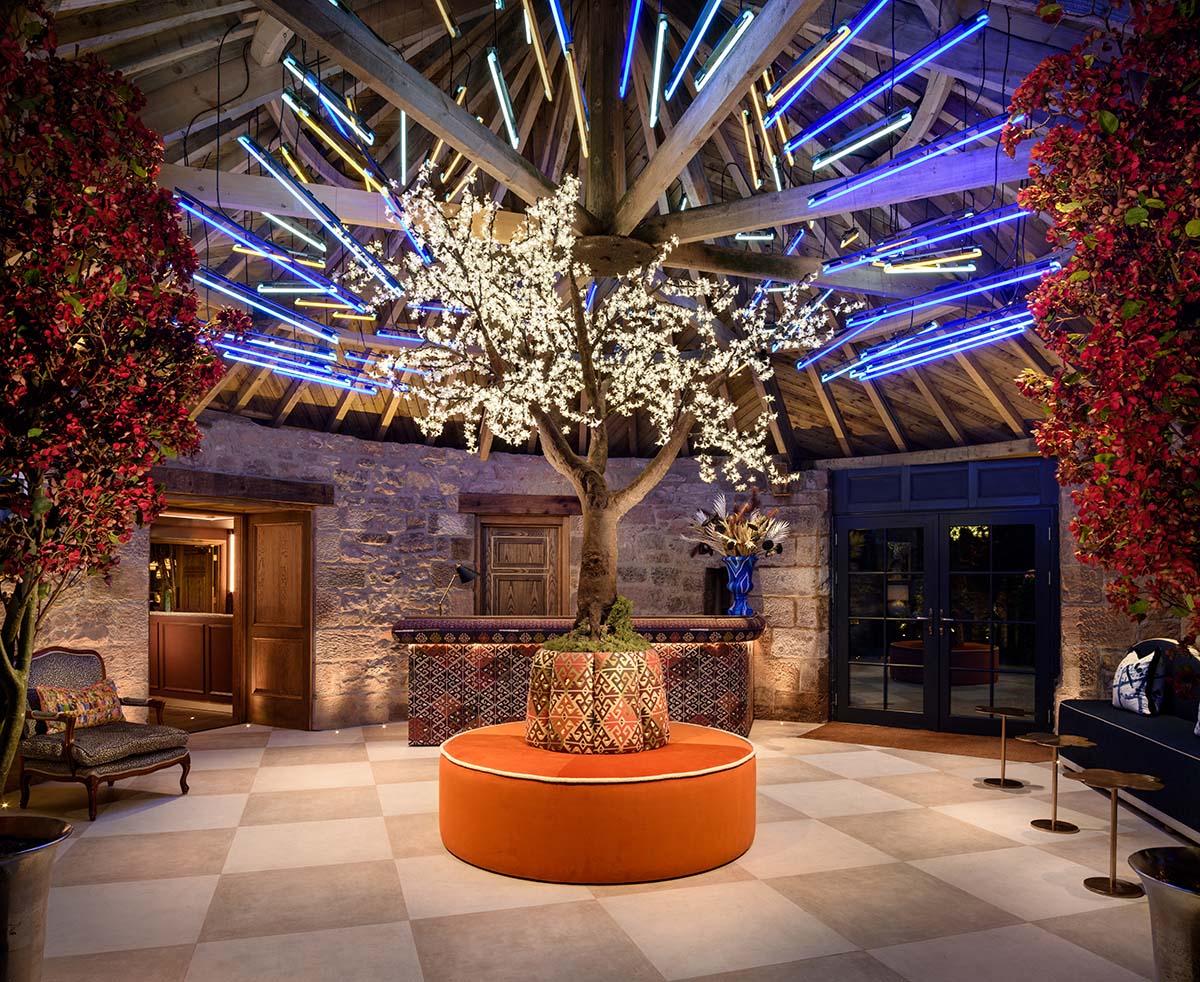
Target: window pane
{"x":866,"y":549}
{"x":867,"y":594}
{"x":1014,"y":547}
{"x":866,"y":641}
{"x":905,"y":596}
{"x":905,"y":550}
{"x":969,"y":547}
{"x":1000,"y":690}
{"x":1014,"y":599}
{"x":1016,"y":645}
{"x":866,"y":686}
{"x":970,"y":597}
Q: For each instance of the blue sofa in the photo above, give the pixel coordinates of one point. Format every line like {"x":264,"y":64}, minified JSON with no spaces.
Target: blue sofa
{"x":1164,"y":745}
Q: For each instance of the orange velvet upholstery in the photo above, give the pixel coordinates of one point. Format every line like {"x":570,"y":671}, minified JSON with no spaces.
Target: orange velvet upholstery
{"x":575,"y":818}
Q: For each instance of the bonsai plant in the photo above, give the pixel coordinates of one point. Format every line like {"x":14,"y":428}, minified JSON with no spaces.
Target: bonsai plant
{"x":101,"y":355}
{"x":525,"y":344}
{"x":1117,"y":169}
{"x":740,"y":537}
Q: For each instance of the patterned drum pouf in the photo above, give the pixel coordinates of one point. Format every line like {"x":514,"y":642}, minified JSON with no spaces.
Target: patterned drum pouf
{"x":596,"y":702}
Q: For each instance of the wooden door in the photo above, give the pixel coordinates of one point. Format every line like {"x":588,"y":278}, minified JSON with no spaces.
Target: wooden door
{"x":279,"y":628}
{"x":523,"y":567}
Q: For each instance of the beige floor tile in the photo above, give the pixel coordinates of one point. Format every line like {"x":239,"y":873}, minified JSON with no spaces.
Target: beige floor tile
{"x":1119,"y":934}
{"x":229,"y":738}
{"x":820,"y":799}
{"x":322,"y":804}
{"x":314,"y":738}
{"x":441,"y":886}
{"x":806,"y":846}
{"x":767,"y":730}
{"x":109,"y":859}
{"x":410,"y":798}
{"x":309,"y":777}
{"x":310,"y":898}
{"x":397,"y":750}
{"x":570,"y":941}
{"x":1019,"y":952}
{"x":939,"y":762}
{"x":405,"y":771}
{"x":769,"y":809}
{"x":742,"y":924}
{"x":918,"y":834}
{"x":119,"y":916}
{"x":875,"y":906}
{"x":167,"y":964}
{"x":370,"y":953}
{"x":1036,"y":777}
{"x":386,"y":732}
{"x":333,"y":753}
{"x":802,"y":747}
{"x":414,"y":835}
{"x":1092,"y":851}
{"x":168,"y":813}
{"x":1010,"y":817}
{"x":858,"y":764}
{"x":788,"y":770}
{"x":854,"y":966}
{"x":1024,"y":880}
{"x":226,"y":760}
{"x":729,"y":873}
{"x":348,"y":840}
{"x":166,"y":782}
{"x":936,"y":789}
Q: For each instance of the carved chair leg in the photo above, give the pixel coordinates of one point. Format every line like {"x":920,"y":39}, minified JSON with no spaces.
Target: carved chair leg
{"x":186,"y":764}
{"x":26,"y":781}
{"x":93,"y":789}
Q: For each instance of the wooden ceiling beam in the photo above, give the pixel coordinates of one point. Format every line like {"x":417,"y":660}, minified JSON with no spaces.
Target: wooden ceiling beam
{"x":775,"y":24}
{"x":832,"y":413}
{"x":1004,"y":409}
{"x":939,"y":406}
{"x":292,"y":396}
{"x":104,"y":29}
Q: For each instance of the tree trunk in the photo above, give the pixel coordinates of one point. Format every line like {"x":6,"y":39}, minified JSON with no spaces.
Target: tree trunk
{"x":597,"y":567}
{"x":19,"y":629}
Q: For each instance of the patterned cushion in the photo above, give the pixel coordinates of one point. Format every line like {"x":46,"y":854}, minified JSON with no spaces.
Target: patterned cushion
{"x":1137,"y":685}
{"x":105,"y":744}
{"x":604,"y":702}
{"x":94,"y":706}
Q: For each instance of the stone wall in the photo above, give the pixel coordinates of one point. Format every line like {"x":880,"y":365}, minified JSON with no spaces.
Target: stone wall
{"x":389,"y":543}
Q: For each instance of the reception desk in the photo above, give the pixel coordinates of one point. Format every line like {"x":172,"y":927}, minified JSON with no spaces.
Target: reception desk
{"x":467,"y":672}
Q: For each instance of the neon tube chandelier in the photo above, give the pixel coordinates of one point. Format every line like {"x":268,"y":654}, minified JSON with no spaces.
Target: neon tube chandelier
{"x":718,"y":55}
{"x":506,"y":106}
{"x":635,"y":8}
{"x":861,"y":137}
{"x":336,"y":106}
{"x":911,"y":158}
{"x":767,"y":286}
{"x":287,"y":346}
{"x":890,"y":78}
{"x":533,"y":36}
{"x":293,"y":369}
{"x":660,"y":53}
{"x":302,"y":234}
{"x":235,"y":291}
{"x":689,"y":48}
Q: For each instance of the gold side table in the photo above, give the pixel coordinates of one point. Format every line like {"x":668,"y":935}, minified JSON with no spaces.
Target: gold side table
{"x":1054,"y":741}
{"x":1004,"y":712}
{"x":1112,"y":782}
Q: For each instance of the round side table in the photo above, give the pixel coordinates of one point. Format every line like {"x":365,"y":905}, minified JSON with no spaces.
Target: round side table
{"x":1054,"y":741}
{"x":1004,"y":712}
{"x":1112,"y":782}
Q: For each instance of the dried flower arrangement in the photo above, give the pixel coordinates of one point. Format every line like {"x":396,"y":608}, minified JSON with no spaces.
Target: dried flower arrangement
{"x":745,"y":531}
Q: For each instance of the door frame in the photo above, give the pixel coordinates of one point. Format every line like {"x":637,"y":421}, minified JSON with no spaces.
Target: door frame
{"x":936,"y":707}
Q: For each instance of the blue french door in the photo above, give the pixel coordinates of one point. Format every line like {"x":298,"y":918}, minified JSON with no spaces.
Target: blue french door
{"x":934,"y":615}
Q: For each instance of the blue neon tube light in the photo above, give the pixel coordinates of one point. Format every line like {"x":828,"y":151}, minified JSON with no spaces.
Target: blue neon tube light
{"x":940,"y":347}
{"x":215,"y":281}
{"x":436,"y":308}
{"x":660,"y":53}
{"x":330,"y":100}
{"x":910,"y":158}
{"x":560,"y":24}
{"x":244,"y":237}
{"x":856,"y":24}
{"x":790,"y":250}
{"x":321,"y":213}
{"x":924,"y":236}
{"x":635,"y":8}
{"x":591,"y":295}
{"x":889,"y":78}
{"x":728,"y":40}
{"x":302,"y":349}
{"x":693,"y":42}
{"x":296,"y":370}
{"x":954,"y":291}
{"x":861,"y":137}
{"x":925,"y":336}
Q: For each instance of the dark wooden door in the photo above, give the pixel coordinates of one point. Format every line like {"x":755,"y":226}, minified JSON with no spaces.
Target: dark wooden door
{"x":522,"y":568}
{"x":279,"y":642}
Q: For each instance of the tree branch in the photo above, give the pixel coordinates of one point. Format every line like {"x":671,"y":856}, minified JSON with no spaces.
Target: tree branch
{"x":657,"y":468}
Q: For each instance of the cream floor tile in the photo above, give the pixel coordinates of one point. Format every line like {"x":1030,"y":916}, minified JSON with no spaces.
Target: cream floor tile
{"x":917,"y":833}
{"x":1001,"y":955}
{"x":371,"y":953}
{"x":154,"y":856}
{"x":116,"y":916}
{"x":1024,"y":880}
{"x":309,"y":738}
{"x":226,"y":760}
{"x":854,"y":966}
{"x":398,"y":750}
{"x":801,"y":746}
{"x":348,"y":840}
{"x":806,"y":846}
{"x":1093,"y":850}
{"x":766,"y":730}
{"x":397,"y":731}
{"x":788,"y":770}
{"x":410,"y":798}
{"x":866,"y":763}
{"x":1035,"y":776}
{"x":1010,"y":817}
{"x":819,"y":799}
{"x":309,"y":777}
{"x":166,"y":964}
{"x":770,"y":810}
{"x":729,"y":873}
{"x":320,"y":804}
{"x":166,"y":782}
{"x":939,"y":762}
{"x":404,"y":771}
{"x":440,"y":886}
{"x":742,"y":924}
{"x":1120,"y":934}
{"x":178,"y":813}
{"x":324,"y":753}
{"x":229,"y":738}
{"x":938,"y":788}
{"x":414,"y":835}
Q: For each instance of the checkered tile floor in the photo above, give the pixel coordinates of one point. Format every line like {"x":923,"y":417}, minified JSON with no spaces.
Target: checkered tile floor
{"x":315,"y":856}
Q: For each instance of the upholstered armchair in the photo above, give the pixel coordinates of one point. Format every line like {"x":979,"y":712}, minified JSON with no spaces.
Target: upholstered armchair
{"x":93,"y":754}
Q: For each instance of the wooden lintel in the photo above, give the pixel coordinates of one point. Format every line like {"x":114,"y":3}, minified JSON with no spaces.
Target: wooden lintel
{"x":472,"y":503}
{"x":210,"y":484}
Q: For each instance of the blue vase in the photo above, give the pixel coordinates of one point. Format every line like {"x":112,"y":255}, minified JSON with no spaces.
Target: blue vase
{"x":741,"y":582}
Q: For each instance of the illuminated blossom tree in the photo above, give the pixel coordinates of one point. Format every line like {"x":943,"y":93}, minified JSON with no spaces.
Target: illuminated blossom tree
{"x":101,"y":353}
{"x":520,"y":348}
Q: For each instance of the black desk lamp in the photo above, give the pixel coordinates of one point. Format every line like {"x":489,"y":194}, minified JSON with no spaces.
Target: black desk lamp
{"x":464,"y":575}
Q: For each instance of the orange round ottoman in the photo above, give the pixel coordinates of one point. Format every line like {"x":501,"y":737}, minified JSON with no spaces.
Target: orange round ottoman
{"x":597,"y":818}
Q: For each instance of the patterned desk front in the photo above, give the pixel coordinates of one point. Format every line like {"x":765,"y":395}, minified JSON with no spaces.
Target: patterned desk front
{"x":459,"y":686}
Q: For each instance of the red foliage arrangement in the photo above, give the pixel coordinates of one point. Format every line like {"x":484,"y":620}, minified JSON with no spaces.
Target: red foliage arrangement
{"x":1118,"y":169}
{"x":101,"y":352}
